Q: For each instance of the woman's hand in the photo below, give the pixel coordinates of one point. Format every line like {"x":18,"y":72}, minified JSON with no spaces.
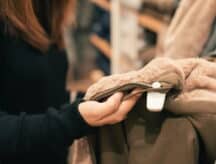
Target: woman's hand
{"x":112,"y":111}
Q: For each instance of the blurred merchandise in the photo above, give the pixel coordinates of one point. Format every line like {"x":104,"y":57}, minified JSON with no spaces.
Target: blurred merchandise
{"x":141,"y":25}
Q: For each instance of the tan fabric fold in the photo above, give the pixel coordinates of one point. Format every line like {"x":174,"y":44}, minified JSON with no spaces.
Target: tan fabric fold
{"x":199,"y":91}
{"x":189,"y":29}
{"x":161,"y":69}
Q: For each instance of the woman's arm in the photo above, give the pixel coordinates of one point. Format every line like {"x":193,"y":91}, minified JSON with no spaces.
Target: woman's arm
{"x":53,"y":130}
{"x":56,"y":130}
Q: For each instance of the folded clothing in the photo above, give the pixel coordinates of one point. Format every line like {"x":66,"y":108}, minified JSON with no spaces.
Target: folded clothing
{"x":162,"y":70}
{"x":199,"y":90}
{"x":194,"y":78}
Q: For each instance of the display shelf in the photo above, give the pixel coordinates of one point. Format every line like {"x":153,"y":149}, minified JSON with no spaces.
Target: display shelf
{"x":146,"y":20}
{"x":101,"y":44}
{"x":151,"y":23}
{"x":104,"y":4}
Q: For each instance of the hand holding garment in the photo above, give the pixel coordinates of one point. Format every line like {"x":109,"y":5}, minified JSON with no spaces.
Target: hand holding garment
{"x":146,"y":137}
{"x":196,"y":78}
{"x":161,"y":70}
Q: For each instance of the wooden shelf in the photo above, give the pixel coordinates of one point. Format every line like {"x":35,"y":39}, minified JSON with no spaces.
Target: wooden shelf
{"x":146,"y":20}
{"x":151,"y":23}
{"x":101,"y":44}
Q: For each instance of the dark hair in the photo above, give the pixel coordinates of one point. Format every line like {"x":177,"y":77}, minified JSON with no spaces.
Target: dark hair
{"x":22,"y":19}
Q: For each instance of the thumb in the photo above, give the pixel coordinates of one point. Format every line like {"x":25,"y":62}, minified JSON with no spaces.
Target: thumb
{"x":111,"y":105}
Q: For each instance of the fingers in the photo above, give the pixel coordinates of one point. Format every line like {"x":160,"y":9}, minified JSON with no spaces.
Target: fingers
{"x":110,"y":112}
{"x":125,"y":107}
{"x":110,"y":106}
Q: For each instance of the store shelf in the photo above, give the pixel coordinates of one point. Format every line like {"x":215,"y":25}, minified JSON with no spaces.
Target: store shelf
{"x":146,"y":20}
{"x":151,"y":23}
{"x":101,"y":44}
{"x":104,"y":4}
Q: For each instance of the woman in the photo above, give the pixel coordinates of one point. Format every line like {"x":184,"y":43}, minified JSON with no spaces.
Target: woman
{"x":35,"y":127}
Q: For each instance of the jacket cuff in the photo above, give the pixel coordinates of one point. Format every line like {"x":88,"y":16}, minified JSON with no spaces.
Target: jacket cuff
{"x":76,"y":125}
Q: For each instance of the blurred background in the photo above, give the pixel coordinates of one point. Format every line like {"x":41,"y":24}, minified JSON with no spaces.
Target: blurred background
{"x":114,"y":36}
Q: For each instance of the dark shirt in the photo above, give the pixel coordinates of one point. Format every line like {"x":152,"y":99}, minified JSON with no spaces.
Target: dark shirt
{"x":35,"y":126}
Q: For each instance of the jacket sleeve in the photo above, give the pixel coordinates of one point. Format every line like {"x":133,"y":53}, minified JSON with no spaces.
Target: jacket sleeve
{"x":53,"y":130}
